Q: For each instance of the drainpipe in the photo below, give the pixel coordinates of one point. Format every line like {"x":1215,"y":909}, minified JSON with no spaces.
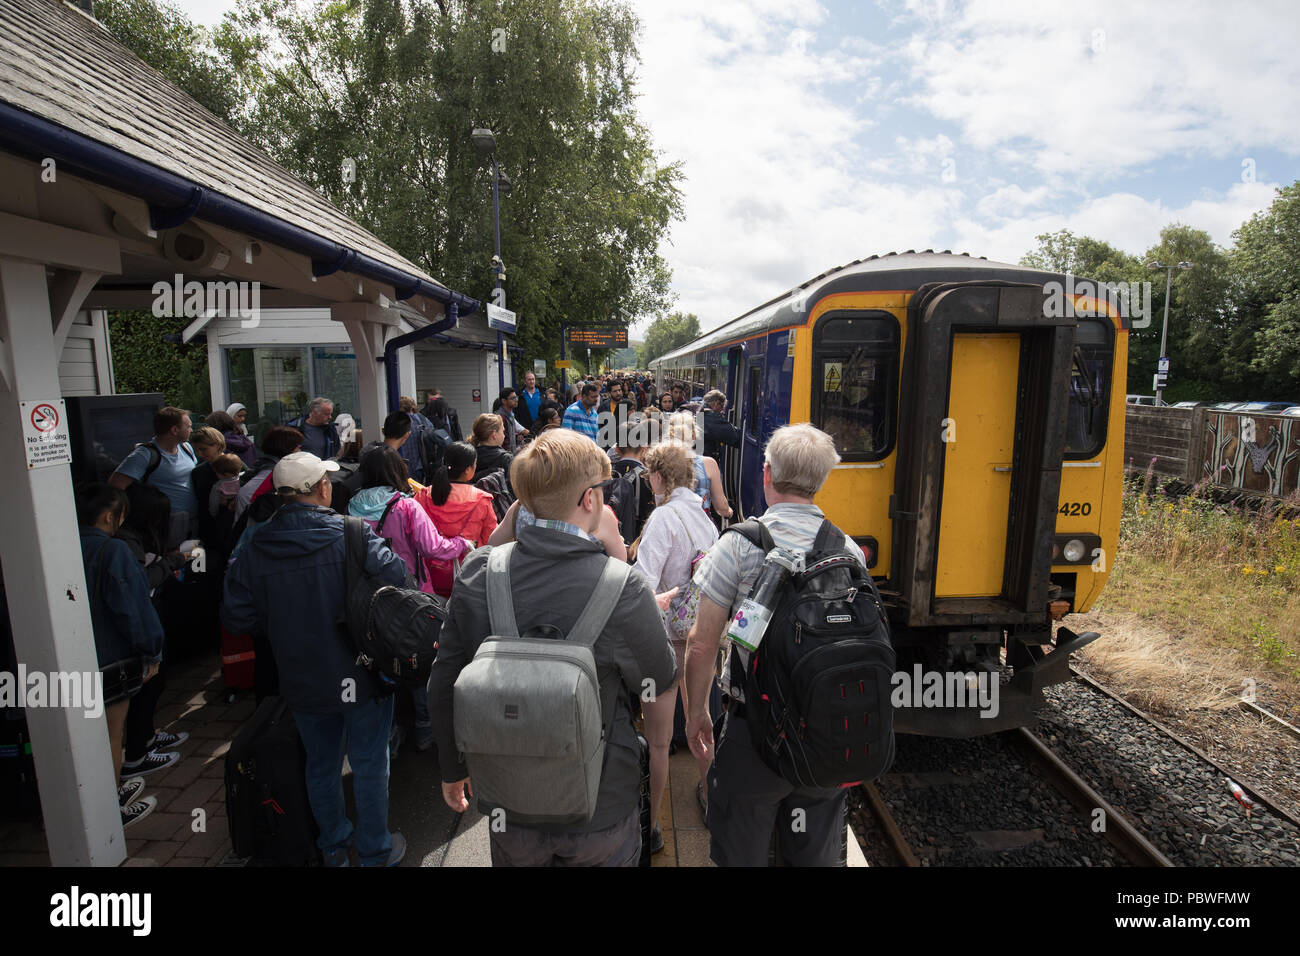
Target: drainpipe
{"x":390,"y":350}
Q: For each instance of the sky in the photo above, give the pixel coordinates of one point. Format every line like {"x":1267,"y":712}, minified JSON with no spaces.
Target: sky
{"x":815,"y":133}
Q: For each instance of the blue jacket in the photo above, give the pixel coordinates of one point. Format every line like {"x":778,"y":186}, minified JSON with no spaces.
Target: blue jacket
{"x":288,"y":582}
{"x":121,"y":613}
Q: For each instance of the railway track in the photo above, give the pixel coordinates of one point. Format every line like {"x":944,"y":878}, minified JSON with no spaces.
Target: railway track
{"x":1063,"y":830}
{"x":1101,"y":783}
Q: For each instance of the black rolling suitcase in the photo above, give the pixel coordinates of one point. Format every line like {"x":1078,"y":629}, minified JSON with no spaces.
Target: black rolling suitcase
{"x":266,"y":790}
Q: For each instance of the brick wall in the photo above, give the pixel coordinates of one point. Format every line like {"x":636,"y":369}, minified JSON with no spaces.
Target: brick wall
{"x":1164,"y":434}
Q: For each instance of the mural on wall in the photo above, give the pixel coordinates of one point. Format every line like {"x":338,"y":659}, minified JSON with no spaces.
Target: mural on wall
{"x":1259,"y":453}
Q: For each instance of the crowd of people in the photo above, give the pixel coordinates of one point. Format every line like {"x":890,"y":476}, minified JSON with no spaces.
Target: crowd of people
{"x":533,"y":476}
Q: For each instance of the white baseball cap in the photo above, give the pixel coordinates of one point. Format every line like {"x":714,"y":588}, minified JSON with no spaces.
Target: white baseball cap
{"x":300,"y":472}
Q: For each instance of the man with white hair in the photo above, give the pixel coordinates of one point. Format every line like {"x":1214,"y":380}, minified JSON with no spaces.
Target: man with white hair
{"x":745,"y":797}
{"x":320,"y":435}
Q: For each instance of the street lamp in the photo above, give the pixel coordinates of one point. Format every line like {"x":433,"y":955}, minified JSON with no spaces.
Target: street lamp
{"x":1164,"y":328}
{"x":486,"y":143}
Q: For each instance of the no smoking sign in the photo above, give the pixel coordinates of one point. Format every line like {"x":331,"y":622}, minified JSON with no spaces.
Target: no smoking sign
{"x":45,"y":434}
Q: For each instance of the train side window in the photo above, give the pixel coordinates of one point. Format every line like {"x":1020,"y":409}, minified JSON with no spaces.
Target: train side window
{"x":855,"y":383}
{"x":1090,"y":376}
{"x":754,"y":406}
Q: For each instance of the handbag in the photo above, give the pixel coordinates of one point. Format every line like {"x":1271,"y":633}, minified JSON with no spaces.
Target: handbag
{"x":686,"y":602}
{"x":123,"y":678}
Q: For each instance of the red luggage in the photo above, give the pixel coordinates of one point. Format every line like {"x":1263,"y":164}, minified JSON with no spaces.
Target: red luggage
{"x":237,"y":658}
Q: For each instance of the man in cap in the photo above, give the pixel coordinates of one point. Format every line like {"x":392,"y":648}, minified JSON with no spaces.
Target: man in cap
{"x":289,"y":582}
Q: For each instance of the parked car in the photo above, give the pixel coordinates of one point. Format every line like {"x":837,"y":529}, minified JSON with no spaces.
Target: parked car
{"x":1265,"y":406}
{"x":1141,"y":399}
{"x":1189,"y":404}
{"x":1227,"y":407}
{"x":1293,"y":411}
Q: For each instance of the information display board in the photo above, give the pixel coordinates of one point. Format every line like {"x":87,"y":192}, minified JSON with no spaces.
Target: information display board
{"x":599,"y":338}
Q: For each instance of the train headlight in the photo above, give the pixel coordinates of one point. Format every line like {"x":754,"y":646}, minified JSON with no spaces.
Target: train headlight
{"x":1074,"y":551}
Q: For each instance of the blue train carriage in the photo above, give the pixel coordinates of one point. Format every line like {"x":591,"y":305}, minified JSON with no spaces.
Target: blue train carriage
{"x":978,"y":408}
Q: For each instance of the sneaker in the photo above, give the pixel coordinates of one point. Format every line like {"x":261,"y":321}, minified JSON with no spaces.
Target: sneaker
{"x":135,"y":812}
{"x":337,"y":857}
{"x":151,"y":762}
{"x":398,"y":851}
{"x":129,"y":790}
{"x":162,"y":740}
{"x":656,"y":840}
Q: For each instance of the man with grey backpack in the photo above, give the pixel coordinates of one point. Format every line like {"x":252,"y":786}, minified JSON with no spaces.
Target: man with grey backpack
{"x":539,"y":674}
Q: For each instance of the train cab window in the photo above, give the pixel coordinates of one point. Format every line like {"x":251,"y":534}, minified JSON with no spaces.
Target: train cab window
{"x":1090,"y":376}
{"x":855,"y":383}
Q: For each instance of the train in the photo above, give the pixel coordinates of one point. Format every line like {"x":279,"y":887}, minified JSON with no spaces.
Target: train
{"x":978,"y":410}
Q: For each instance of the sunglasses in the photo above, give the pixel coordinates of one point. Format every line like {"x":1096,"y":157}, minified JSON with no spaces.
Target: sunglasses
{"x":603,"y":486}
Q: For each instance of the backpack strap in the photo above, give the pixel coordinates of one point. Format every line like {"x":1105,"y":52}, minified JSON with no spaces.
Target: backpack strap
{"x":755,"y":532}
{"x":354,"y":546}
{"x":379,"y":527}
{"x":501,"y":606}
{"x":155,"y":459}
{"x":601,"y":604}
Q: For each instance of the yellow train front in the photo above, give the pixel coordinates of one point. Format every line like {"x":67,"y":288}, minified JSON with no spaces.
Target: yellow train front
{"x":978,"y":408}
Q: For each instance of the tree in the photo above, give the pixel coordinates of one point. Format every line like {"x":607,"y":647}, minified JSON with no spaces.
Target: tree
{"x":1083,"y":256}
{"x":164,"y":37}
{"x":1199,"y":325}
{"x":1263,"y":352}
{"x":373,"y":103}
{"x":665,"y":334}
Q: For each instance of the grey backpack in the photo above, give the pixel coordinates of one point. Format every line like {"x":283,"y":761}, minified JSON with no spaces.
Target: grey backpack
{"x":528,"y":711}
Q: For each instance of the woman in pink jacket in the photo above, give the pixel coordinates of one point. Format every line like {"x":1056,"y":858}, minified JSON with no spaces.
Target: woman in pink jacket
{"x":398,"y":518}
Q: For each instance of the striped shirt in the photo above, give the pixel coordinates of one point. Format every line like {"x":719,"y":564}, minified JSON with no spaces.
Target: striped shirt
{"x":581,"y":419}
{"x":730,"y":568}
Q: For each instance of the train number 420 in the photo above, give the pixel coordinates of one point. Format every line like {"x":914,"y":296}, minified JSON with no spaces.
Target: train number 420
{"x":1074,"y":508}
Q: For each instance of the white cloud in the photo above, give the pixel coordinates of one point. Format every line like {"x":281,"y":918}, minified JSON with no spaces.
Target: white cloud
{"x":1087,"y":90}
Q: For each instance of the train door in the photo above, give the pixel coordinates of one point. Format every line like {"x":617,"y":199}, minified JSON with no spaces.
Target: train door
{"x":983,"y":410}
{"x":729,"y":466}
{"x":750,"y":466}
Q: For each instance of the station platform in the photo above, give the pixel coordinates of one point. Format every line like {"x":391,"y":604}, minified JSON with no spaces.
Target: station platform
{"x":175,"y":835}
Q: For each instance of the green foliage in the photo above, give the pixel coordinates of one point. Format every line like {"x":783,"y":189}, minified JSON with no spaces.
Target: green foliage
{"x":392,"y":89}
{"x":1264,"y":349}
{"x":164,"y":37}
{"x":1234,"y":318}
{"x":144,"y":362}
{"x":665,"y":334}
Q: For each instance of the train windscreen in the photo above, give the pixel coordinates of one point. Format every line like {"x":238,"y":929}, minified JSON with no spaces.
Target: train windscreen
{"x":855,"y":383}
{"x":1090,"y":375}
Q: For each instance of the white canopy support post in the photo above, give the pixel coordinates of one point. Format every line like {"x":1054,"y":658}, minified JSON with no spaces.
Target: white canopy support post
{"x":68,"y":290}
{"x":369,"y":326}
{"x":46,"y":589}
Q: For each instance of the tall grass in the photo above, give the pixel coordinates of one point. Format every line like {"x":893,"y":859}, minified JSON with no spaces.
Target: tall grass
{"x":1210,"y":570}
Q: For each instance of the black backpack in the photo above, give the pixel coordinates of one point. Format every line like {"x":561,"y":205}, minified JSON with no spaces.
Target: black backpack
{"x":627,"y":496}
{"x":393,"y":630}
{"x":494,"y":483}
{"x":433,"y":450}
{"x":817,"y":690}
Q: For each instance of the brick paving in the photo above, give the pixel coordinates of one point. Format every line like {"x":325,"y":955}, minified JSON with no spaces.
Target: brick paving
{"x":173,"y":835}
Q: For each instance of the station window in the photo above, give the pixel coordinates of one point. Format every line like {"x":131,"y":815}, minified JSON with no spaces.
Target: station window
{"x":1090,"y":377}
{"x":855,"y":382}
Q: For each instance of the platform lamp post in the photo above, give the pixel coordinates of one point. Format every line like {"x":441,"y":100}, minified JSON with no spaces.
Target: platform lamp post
{"x":486,"y":143}
{"x":1164,"y":328}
